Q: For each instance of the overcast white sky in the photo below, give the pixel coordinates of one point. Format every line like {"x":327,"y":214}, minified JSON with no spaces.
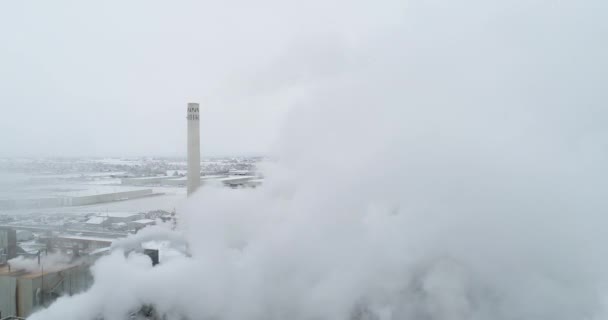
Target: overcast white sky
{"x":112,"y":78}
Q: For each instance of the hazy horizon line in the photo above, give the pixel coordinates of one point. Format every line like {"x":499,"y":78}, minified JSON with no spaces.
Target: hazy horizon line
{"x":249,"y":154}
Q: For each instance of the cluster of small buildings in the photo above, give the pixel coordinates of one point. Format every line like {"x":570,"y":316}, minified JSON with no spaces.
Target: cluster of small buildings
{"x":119,"y":221}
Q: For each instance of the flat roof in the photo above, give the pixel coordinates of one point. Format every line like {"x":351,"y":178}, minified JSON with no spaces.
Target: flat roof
{"x":178,"y":179}
{"x":214,"y":176}
{"x":237,"y":178}
{"x":144,"y":221}
{"x":217,"y":176}
{"x":65,"y":191}
{"x":117,"y":214}
{"x":148,"y":178}
{"x":101,"y":189}
{"x":96,"y":220}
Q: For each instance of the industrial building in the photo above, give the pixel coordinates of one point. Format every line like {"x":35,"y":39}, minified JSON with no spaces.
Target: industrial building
{"x":8,"y":244}
{"x":75,"y":244}
{"x":24,"y":291}
{"x":116,"y":217}
{"x":29,"y":285}
{"x":95,"y":196}
{"x":33,"y":202}
{"x":33,"y":281}
{"x":98,"y":194}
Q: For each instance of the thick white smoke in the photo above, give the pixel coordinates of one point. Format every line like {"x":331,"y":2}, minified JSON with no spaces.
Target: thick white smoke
{"x":46,"y":262}
{"x":450,"y":166}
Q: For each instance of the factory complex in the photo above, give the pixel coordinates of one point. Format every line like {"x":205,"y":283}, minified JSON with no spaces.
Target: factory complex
{"x":26,"y":290}
{"x":58,"y":217}
{"x":33,"y":280}
{"x":55,"y":264}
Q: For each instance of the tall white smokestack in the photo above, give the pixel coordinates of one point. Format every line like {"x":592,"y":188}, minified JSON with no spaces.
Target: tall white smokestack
{"x":194,"y":148}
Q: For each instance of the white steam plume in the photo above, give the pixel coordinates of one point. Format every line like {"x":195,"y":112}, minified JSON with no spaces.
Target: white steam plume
{"x":452,"y":167}
{"x":47,"y":262}
{"x":160,"y":232}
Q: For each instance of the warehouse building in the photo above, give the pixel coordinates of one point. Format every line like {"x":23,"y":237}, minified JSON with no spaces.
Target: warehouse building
{"x":98,"y":194}
{"x":81,"y":243}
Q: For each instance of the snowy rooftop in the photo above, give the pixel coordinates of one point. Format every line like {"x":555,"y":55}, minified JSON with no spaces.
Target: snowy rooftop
{"x":118,"y":214}
{"x":144,"y":221}
{"x":96,"y":220}
{"x":85,"y":238}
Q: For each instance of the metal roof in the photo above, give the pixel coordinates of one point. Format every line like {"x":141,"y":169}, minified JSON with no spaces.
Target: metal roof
{"x":96,"y":220}
{"x":144,"y":221}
